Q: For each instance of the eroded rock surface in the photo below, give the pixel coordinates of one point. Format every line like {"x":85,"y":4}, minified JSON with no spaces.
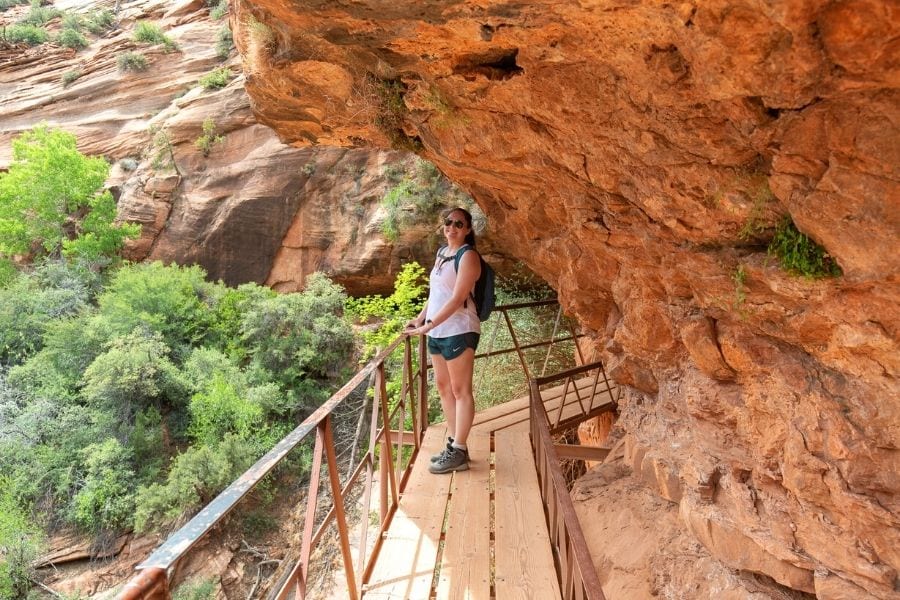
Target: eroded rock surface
{"x":637,"y":155}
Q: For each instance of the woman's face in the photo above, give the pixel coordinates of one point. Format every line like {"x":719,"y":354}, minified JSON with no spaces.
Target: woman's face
{"x":456,"y":228}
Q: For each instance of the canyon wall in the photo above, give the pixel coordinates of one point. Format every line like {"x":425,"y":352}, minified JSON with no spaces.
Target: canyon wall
{"x":252,"y":208}
{"x":638,"y":155}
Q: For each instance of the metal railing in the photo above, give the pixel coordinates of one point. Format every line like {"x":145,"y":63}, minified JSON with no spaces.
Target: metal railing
{"x":387,"y":431}
{"x":581,"y":398}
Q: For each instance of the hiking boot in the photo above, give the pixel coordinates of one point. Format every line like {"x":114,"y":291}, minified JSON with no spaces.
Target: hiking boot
{"x":454,"y":459}
{"x":440,"y":454}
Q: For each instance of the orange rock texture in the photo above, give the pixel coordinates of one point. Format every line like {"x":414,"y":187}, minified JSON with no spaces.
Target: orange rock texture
{"x":638,"y":155}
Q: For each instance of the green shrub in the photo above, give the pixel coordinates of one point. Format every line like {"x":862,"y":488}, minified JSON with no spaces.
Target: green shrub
{"x":131,"y":61}
{"x":28,"y":34}
{"x":40,"y":15}
{"x":106,"y":498}
{"x":151,"y":33}
{"x":174,"y":301}
{"x":220,"y":10}
{"x":6,"y":4}
{"x":195,"y":590}
{"x":20,"y":544}
{"x":224,"y":42}
{"x":196,"y":476}
{"x":98,"y":21}
{"x":72,"y":38}
{"x":216,"y":79}
{"x":134,"y":373}
{"x":208,"y":138}
{"x":69,"y":77}
{"x":800,"y":255}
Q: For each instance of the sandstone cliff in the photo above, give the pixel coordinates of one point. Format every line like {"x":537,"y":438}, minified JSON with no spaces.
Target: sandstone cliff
{"x":254,"y":209}
{"x":638,"y":155}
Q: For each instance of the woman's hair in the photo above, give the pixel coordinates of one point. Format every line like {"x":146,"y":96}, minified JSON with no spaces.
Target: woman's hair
{"x":470,"y":237}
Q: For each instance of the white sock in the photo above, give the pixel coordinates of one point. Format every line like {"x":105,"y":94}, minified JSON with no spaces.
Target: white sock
{"x":460,"y":446}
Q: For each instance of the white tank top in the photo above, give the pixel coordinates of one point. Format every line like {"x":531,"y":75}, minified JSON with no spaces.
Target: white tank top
{"x":442,"y":282}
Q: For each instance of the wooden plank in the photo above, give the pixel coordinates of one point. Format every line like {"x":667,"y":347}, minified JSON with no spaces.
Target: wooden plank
{"x":581,"y":452}
{"x":572,"y":408}
{"x":406,"y":560}
{"x":524,"y":564}
{"x":466,"y":559}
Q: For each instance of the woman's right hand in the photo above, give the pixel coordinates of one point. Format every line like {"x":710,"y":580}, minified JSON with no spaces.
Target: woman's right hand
{"x":414,"y":323}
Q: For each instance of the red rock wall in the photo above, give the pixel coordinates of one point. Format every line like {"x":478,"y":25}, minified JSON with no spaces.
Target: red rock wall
{"x":637,"y":155}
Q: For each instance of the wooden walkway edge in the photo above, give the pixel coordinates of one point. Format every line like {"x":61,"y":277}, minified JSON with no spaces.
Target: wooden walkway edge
{"x":479,"y":534}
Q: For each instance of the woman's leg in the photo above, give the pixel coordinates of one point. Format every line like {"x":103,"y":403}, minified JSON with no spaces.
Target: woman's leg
{"x":445,"y":391}
{"x":460,"y":371}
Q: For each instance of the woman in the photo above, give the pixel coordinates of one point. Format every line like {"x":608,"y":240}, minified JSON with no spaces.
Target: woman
{"x":450,"y":320}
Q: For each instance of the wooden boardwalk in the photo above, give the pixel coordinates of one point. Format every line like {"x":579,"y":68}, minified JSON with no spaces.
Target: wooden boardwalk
{"x":479,"y":534}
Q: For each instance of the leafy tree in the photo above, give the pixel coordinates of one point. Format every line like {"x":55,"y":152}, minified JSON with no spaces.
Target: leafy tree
{"x":20,"y":544}
{"x":392,"y":312}
{"x":134,"y":373}
{"x":106,"y":497}
{"x":50,"y":196}
{"x":33,"y":301}
{"x":300,"y":338}
{"x":196,"y":476}
{"x":174,"y":301}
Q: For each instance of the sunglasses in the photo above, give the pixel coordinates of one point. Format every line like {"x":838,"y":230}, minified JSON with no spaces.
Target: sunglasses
{"x":455,"y":223}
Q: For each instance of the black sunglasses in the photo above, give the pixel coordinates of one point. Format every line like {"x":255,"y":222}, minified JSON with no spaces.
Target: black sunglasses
{"x":457,"y":224}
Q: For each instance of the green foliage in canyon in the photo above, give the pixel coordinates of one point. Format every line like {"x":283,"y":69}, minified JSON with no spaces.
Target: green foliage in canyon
{"x":52,"y":203}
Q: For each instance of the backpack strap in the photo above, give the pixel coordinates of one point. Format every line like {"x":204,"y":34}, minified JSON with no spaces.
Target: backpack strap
{"x":459,"y":254}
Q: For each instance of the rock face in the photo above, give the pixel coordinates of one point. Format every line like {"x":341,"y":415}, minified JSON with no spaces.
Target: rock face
{"x":254,"y":209}
{"x":637,"y":155}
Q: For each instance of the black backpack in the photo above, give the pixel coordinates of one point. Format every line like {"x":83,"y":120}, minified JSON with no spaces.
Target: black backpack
{"x":483,"y":294}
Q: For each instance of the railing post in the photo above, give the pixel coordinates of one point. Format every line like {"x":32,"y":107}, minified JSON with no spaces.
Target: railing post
{"x":150,"y":584}
{"x":423,"y":385}
{"x":339,"y":514}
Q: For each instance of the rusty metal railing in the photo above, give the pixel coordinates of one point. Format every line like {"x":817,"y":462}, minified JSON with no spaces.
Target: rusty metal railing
{"x":582,"y":396}
{"x":387,"y":430}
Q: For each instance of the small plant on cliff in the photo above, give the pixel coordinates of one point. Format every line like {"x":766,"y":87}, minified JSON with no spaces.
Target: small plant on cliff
{"x":800,"y":255}
{"x":447,"y":115}
{"x":208,"y":138}
{"x":40,"y":15}
{"x":72,"y":38}
{"x":224,"y":42}
{"x":391,"y":112}
{"x":132,"y":61}
{"x":151,"y":33}
{"x":219,"y":10}
{"x":6,"y":4}
{"x":216,"y":79}
{"x":740,"y":290}
{"x":260,"y":42}
{"x":163,"y":151}
{"x":98,"y":21}
{"x":28,"y":34}
{"x":69,"y":77}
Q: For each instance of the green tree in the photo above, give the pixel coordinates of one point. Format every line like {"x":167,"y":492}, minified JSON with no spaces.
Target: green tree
{"x":51,"y":195}
{"x":20,"y":544}
{"x":300,"y":339}
{"x":132,"y":374}
{"x":106,"y":497}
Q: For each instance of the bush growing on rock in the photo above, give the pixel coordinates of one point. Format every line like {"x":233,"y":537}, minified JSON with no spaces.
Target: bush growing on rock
{"x":151,"y":33}
{"x":216,"y":79}
{"x":72,"y":38}
{"x":224,"y":42}
{"x":98,"y":21}
{"x":28,"y":34}
{"x":132,"y":61}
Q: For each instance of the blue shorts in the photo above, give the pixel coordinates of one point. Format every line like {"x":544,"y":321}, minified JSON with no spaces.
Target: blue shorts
{"x":453,"y":346}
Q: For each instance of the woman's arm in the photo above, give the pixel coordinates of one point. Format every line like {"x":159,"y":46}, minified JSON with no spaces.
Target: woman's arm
{"x":468,"y":274}
{"x":419,"y":320}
